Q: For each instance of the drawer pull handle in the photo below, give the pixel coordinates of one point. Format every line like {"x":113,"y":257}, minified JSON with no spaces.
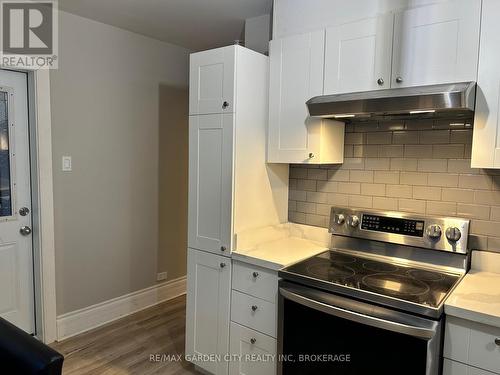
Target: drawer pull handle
{"x":497,"y":341}
{"x":254,"y":308}
{"x":253,"y":341}
{"x":255,"y":274}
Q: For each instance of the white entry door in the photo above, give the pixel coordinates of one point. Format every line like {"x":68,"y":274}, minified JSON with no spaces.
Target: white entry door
{"x":16,"y":257}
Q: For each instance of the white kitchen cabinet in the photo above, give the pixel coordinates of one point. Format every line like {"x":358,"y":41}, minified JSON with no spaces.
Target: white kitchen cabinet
{"x":457,"y":368}
{"x":210,"y":182}
{"x":231,"y":189}
{"x":207,"y":309}
{"x":296,"y":75}
{"x":486,"y":136}
{"x":254,"y":313}
{"x":255,"y":281}
{"x":436,"y":43}
{"x":247,"y":344}
{"x":212,"y":81}
{"x":472,"y":344}
{"x":358,"y":55}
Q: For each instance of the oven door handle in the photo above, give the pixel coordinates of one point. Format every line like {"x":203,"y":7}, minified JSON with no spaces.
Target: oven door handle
{"x":412,"y":330}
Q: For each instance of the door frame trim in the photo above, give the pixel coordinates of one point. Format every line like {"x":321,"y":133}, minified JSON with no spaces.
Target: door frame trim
{"x":42,"y":197}
{"x":40,"y":127}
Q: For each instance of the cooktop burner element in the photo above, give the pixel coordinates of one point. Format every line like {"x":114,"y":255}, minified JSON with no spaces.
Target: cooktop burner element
{"x":424,"y":275}
{"x":342,"y":258}
{"x":365,"y":274}
{"x":396,"y":285}
{"x":379,"y":266}
{"x":331,"y":272}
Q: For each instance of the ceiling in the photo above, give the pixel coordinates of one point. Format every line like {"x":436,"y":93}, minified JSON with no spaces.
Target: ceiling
{"x":194,"y":24}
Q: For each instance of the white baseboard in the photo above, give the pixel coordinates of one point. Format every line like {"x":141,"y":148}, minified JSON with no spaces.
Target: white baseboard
{"x":79,"y":321}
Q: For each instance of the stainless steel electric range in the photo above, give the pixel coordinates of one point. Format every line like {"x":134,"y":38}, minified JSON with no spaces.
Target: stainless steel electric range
{"x":373,"y":304}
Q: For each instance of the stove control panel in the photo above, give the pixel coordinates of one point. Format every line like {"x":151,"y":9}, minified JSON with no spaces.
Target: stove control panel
{"x":378,"y":223}
{"x":448,"y":234}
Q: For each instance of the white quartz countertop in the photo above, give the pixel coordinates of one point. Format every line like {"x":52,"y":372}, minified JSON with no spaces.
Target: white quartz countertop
{"x":278,"y":246}
{"x":477,"y":297}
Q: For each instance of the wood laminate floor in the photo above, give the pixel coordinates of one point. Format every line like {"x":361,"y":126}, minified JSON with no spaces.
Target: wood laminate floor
{"x":124,"y":346}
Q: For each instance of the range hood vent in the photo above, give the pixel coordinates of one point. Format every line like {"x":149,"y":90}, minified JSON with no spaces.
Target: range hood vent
{"x":444,"y":100}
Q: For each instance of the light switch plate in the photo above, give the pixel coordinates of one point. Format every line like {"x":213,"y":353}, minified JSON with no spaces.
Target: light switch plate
{"x":66,"y":164}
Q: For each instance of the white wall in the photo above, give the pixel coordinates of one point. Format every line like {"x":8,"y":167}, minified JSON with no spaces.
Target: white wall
{"x":258,"y":33}
{"x":299,"y":16}
{"x":105,"y":114}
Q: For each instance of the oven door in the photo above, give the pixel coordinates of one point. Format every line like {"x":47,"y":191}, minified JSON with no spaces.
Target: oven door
{"x":323,"y":333}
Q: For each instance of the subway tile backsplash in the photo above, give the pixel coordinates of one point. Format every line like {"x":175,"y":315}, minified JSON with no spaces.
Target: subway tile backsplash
{"x":420,"y":166}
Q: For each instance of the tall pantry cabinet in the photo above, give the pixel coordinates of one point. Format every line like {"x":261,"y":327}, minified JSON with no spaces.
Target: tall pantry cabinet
{"x":231,"y":188}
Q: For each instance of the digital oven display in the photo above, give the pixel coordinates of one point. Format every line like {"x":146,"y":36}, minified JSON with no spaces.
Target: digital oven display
{"x":393,"y":225}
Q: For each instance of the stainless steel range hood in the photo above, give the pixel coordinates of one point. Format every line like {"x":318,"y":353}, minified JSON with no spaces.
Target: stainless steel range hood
{"x":454,"y":99}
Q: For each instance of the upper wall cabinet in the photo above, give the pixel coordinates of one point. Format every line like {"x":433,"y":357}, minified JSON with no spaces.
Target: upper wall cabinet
{"x":211,"y":81}
{"x":436,"y":44}
{"x":296,"y":75}
{"x":358,"y":55}
{"x":486,"y":136}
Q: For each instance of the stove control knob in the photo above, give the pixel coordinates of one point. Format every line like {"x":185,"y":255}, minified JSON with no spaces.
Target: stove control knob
{"x":433,"y":231}
{"x":353,"y":221}
{"x":453,"y":234}
{"x":339,"y":219}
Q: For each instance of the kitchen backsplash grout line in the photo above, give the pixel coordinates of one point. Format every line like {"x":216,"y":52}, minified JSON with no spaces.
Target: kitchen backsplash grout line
{"x":386,"y":169}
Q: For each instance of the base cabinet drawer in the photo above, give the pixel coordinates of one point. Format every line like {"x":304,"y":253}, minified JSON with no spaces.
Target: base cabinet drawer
{"x":254,"y":313}
{"x":252,"y":353}
{"x":473,"y":344}
{"x":456,"y":368}
{"x":256,"y":281}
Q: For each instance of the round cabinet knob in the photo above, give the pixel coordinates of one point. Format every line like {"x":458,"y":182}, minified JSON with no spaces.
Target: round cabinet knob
{"x":433,"y":231}
{"x":255,"y":274}
{"x":311,"y":155}
{"x":222,"y":248}
{"x":497,"y":341}
{"x":399,"y":79}
{"x":225,"y":105}
{"x":339,"y":219}
{"x":253,"y":341}
{"x":222,"y":265}
{"x":25,"y":231}
{"x":380,"y":81}
{"x":453,"y":234}
{"x":353,"y":221}
{"x":254,"y":308}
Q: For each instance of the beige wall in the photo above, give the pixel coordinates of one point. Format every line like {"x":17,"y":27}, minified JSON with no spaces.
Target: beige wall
{"x":417,"y":166}
{"x":105,"y":114}
{"x":173,"y":181}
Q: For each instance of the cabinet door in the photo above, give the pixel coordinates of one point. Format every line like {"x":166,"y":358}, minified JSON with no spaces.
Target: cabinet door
{"x":210,"y":182}
{"x":358,"y":55}
{"x":246,"y":344}
{"x":486,"y":136}
{"x":207,"y":310}
{"x":456,"y":368}
{"x":211,"y":81}
{"x":296,"y":75}
{"x":436,"y":44}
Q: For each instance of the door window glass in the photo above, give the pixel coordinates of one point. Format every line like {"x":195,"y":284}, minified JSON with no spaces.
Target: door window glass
{"x":5,"y":186}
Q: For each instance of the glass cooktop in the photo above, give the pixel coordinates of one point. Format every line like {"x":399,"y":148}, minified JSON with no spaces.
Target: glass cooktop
{"x":399,"y":281}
